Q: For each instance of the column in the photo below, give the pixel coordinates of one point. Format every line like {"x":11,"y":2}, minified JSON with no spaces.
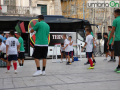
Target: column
{"x":18,"y":3}
{"x":1,"y":2}
{"x":57,"y":7}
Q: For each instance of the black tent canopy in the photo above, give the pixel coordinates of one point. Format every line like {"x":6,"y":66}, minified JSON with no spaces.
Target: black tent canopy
{"x":56,"y":22}
{"x":48,"y":19}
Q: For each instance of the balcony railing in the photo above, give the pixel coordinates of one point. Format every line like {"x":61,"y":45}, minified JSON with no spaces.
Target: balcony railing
{"x":18,"y":10}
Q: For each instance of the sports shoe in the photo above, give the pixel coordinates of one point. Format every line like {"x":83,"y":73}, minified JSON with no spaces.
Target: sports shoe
{"x":43,"y":73}
{"x":94,"y":61}
{"x":68,"y":63}
{"x":110,"y":60}
{"x":61,"y":61}
{"x":15,"y":71}
{"x":37,"y":73}
{"x":86,"y":63}
{"x":105,"y":59}
{"x":8,"y":71}
{"x":18,"y":66}
{"x":90,"y":68}
{"x":114,"y":60}
{"x":93,"y":64}
{"x":118,"y":70}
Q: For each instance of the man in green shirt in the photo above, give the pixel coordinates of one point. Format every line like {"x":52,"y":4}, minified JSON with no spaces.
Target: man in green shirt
{"x":21,"y":50}
{"x":111,"y":45}
{"x":41,"y":44}
{"x":88,"y":27}
{"x":116,"y":30}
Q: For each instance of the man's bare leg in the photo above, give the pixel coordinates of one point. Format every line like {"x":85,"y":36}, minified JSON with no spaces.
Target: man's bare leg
{"x":19,"y":62}
{"x":37,"y":62}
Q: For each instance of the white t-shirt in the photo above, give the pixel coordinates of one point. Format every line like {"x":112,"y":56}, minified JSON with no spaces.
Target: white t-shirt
{"x":89,"y":41}
{"x":61,"y":48}
{"x":71,"y":46}
{"x":3,"y":48}
{"x":66,"y":42}
{"x":13,"y":43}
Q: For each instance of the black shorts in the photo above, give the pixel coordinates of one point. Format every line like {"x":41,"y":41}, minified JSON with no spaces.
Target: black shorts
{"x":21,"y":55}
{"x":63,"y":52}
{"x":12,"y":57}
{"x":105,"y":49}
{"x":111,"y":48}
{"x":3,"y":55}
{"x":117,"y":48}
{"x":40,"y":52}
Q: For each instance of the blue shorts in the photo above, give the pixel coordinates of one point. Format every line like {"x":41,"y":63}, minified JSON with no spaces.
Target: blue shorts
{"x":12,"y":57}
{"x":88,"y":54}
{"x":71,"y":53}
{"x":67,"y":53}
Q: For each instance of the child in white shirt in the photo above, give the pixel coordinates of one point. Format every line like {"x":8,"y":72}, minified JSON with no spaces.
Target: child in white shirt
{"x":12,"y":46}
{"x":89,"y":47}
{"x":67,"y":49}
{"x":3,"y":51}
{"x":71,"y":47}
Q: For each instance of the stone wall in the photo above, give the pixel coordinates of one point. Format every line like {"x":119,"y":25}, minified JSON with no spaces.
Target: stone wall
{"x":57,"y":5}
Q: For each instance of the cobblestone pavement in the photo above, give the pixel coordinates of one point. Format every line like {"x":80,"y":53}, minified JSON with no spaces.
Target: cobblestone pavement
{"x":60,"y":76}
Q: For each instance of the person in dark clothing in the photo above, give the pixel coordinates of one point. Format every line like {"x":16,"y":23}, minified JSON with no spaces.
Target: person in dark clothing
{"x":106,"y":51}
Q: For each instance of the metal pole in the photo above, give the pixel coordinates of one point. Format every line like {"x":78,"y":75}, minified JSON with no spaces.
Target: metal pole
{"x":67,"y":8}
{"x":83,"y":10}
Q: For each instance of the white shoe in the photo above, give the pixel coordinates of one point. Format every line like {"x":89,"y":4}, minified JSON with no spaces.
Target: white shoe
{"x":61,"y":61}
{"x":18,"y":66}
{"x":37,"y":73}
{"x":8,"y":71}
{"x":43,"y":73}
{"x":15,"y":71}
{"x":105,"y":59}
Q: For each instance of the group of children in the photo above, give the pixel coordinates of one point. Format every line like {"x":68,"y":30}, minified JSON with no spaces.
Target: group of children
{"x":67,"y":49}
{"x":12,"y":49}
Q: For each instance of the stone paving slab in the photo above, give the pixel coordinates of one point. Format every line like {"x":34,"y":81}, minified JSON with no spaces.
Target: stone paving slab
{"x":63,"y":77}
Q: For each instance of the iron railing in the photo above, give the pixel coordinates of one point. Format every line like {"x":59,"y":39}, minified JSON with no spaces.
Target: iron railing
{"x":17,"y":10}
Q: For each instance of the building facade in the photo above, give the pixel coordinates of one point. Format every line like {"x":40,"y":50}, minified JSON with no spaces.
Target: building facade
{"x":78,"y":9}
{"x":31,"y":7}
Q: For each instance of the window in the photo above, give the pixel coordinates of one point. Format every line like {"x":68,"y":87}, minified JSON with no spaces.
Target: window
{"x":43,"y":9}
{"x":10,"y":2}
{"x":6,"y":2}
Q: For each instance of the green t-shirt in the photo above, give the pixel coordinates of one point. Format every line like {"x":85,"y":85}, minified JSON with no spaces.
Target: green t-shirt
{"x":21,"y":44}
{"x":116,"y":23}
{"x":92,"y":34}
{"x":42,"y":31}
{"x":111,"y":40}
